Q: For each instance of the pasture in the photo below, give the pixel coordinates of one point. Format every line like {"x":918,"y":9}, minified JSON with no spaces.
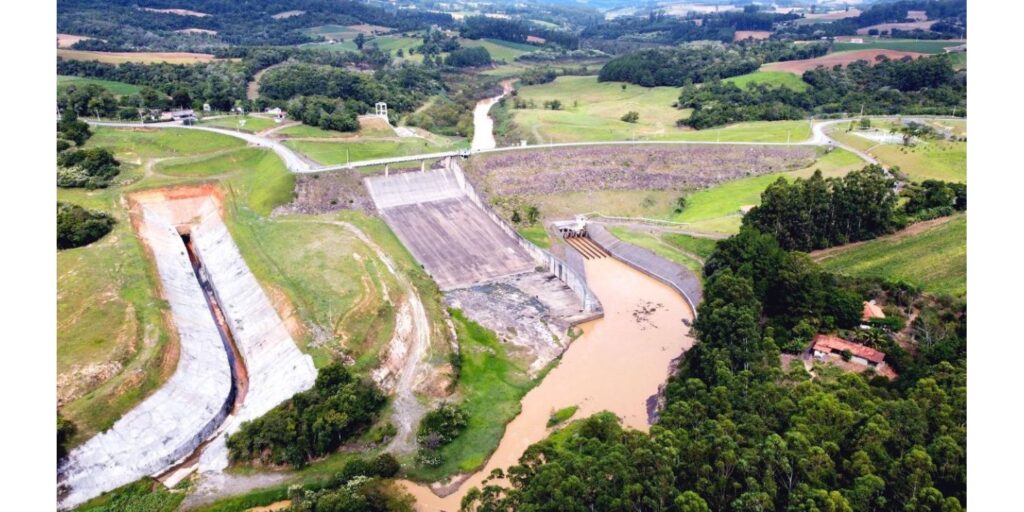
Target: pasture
{"x":932,"y":255}
{"x":500,"y":50}
{"x":769,"y":78}
{"x":139,"y":57}
{"x":591,"y":110}
{"x":115,"y":88}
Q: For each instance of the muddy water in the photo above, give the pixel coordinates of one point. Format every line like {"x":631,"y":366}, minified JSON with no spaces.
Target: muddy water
{"x":616,"y":365}
{"x":483,"y":125}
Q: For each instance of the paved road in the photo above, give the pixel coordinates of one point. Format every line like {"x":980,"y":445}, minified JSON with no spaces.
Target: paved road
{"x":298,"y":164}
{"x":292,"y":160}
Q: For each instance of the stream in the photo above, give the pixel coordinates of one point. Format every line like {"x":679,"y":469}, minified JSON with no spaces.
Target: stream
{"x":483,"y":124}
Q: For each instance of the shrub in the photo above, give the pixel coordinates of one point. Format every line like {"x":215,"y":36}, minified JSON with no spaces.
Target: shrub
{"x":77,"y":226}
{"x":65,"y":431}
{"x":441,"y":426}
{"x":631,"y":117}
{"x":89,"y":168}
{"x":561,"y":415}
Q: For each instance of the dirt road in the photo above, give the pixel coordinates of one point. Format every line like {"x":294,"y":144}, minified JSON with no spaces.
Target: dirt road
{"x":617,"y":365}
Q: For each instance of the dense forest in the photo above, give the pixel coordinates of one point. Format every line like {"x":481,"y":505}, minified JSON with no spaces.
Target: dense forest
{"x":310,"y":424}
{"x":515,"y":30}
{"x":905,"y":86}
{"x":701,"y":62}
{"x":124,"y":25}
{"x":738,"y":431}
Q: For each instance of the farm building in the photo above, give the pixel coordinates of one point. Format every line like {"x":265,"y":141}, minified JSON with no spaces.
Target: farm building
{"x":828,"y":347}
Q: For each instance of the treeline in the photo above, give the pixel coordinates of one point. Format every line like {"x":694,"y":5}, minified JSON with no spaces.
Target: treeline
{"x":310,"y":424}
{"x":674,"y":67}
{"x":701,"y":62}
{"x":817,"y":213}
{"x":739,"y":432}
{"x":403,"y":88}
{"x":927,"y":86}
{"x":123,"y":26}
{"x":658,"y":27}
{"x":76,"y":227}
{"x":218,"y":83}
{"x":515,"y":30}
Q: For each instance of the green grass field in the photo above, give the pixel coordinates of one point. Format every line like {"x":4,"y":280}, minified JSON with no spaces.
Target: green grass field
{"x":903,"y":45}
{"x":500,"y":50}
{"x":116,"y":88}
{"x":659,"y":246}
{"x":935,"y":259}
{"x":717,"y":209}
{"x":491,"y":384}
{"x":536,"y":234}
{"x":338,"y":152}
{"x":928,"y":159}
{"x":252,"y":124}
{"x":592,"y":111}
{"x":770,"y":78}
{"x":368,"y":129}
{"x":135,"y":144}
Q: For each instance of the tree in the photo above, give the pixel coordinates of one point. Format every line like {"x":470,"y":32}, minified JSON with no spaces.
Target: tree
{"x":359,"y":40}
{"x":76,"y":227}
{"x":71,"y":128}
{"x":181,"y":98}
{"x":532,"y":214}
{"x":631,"y":117}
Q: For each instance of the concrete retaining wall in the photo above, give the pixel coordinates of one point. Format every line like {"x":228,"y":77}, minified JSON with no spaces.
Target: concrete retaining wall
{"x":277,"y":369}
{"x":178,"y":417}
{"x":576,"y":280}
{"x":676,"y":276}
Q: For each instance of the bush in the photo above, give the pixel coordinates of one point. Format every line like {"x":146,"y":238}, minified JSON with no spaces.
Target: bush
{"x":468,"y":57}
{"x":89,"y":168}
{"x":77,"y":226}
{"x":310,"y":424}
{"x":65,"y":431}
{"x":631,"y":117}
{"x":441,"y":426}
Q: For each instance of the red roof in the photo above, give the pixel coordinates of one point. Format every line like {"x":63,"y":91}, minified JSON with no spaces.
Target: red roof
{"x":830,"y":343}
{"x":871,"y":311}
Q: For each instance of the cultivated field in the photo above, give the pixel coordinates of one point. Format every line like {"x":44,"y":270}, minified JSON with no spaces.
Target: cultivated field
{"x":140,"y":57}
{"x":116,"y":88}
{"x":770,"y":78}
{"x":930,"y":254}
{"x":836,"y":59}
{"x":902,"y":45}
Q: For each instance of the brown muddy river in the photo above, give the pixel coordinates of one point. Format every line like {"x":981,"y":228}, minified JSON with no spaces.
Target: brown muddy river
{"x":616,"y":365}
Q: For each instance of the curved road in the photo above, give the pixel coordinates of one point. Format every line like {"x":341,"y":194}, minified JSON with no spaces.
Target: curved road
{"x":299,"y":164}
